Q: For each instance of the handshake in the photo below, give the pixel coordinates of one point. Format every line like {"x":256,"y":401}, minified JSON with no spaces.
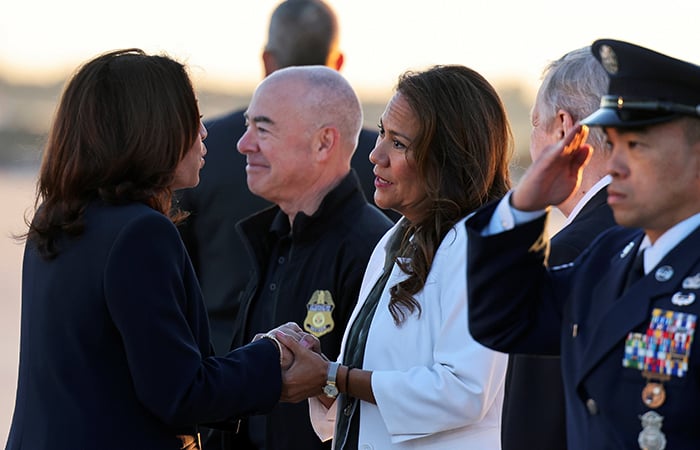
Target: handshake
{"x":304,"y":367}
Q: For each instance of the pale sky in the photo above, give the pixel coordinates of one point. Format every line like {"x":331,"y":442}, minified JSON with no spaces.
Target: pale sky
{"x":222,"y":40}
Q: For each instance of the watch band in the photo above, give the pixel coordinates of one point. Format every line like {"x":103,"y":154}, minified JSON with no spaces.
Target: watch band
{"x":330,"y":389}
{"x":332,"y":372}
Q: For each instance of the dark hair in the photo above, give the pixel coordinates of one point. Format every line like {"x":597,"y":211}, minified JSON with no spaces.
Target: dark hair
{"x":124,"y":122}
{"x":462,"y":152}
{"x":302,"y":33}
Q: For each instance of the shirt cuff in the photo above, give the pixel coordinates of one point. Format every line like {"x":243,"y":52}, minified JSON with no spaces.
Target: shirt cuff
{"x":506,"y":217}
{"x":322,"y":418}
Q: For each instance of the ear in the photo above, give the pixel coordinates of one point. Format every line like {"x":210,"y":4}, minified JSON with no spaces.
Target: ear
{"x":269,"y":62}
{"x":326,"y":141}
{"x":564,"y":122}
{"x":338,"y":64}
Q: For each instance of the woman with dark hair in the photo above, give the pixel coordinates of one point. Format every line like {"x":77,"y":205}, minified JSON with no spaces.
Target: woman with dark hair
{"x":115,"y":349}
{"x":411,"y":375}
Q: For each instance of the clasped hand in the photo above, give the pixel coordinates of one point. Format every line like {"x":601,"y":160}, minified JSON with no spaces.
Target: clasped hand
{"x":304,"y":368}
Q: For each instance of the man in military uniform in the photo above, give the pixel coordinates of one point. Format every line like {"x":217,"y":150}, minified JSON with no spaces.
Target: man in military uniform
{"x":623,"y":314}
{"x":309,"y":251}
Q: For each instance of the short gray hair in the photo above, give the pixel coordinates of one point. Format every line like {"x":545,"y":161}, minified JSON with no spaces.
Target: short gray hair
{"x":575,"y":83}
{"x":329,"y":100}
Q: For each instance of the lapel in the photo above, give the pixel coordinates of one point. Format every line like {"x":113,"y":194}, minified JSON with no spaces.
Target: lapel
{"x":617,"y":314}
{"x":600,"y":198}
{"x":374,"y":271}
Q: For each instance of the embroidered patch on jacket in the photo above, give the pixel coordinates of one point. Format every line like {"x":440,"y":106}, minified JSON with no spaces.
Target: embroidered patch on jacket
{"x":319,"y":318}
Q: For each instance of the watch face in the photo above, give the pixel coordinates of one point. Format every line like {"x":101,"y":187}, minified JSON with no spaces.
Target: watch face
{"x":330,"y":390}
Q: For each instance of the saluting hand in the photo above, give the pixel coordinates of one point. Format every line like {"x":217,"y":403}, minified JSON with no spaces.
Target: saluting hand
{"x":555,"y":174}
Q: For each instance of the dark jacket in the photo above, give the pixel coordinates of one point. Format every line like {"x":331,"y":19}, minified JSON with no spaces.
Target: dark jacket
{"x":582,"y":312}
{"x":534,"y":381}
{"x":114,"y":348}
{"x":221,"y":200}
{"x":325,"y":257}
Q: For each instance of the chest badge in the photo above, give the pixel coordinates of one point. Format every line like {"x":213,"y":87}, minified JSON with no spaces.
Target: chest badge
{"x":628,"y":248}
{"x":692,"y":282}
{"x":651,"y":437}
{"x":664,"y":273}
{"x":683,"y":298}
{"x":319,"y":317}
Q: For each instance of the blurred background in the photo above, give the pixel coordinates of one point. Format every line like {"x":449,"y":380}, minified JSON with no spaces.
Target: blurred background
{"x":509,"y":42}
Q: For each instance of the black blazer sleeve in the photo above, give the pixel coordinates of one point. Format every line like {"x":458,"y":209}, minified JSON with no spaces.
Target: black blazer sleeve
{"x":174,"y":376}
{"x":511,"y":307}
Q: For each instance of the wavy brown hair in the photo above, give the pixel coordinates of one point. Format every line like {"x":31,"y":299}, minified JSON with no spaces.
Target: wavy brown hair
{"x":124,"y":122}
{"x":462,"y":152}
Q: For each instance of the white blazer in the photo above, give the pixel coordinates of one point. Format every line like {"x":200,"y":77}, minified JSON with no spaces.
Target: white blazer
{"x":435,"y":386}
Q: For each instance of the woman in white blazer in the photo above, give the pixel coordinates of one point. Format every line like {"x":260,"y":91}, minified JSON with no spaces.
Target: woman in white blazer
{"x":410,"y":375}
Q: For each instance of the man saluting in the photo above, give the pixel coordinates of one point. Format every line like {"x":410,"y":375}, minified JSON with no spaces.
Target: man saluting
{"x":630,"y":362}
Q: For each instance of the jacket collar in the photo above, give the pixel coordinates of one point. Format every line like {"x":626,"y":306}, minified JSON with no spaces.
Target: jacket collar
{"x":274,"y":223}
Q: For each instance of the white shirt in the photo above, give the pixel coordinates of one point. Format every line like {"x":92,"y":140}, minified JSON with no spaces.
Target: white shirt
{"x":506,"y":217}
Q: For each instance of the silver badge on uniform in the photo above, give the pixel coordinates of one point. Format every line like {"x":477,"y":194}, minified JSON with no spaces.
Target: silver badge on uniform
{"x":692,"y":282}
{"x":664,"y":273}
{"x":683,"y":298}
{"x":628,"y":248}
{"x":651,"y":436}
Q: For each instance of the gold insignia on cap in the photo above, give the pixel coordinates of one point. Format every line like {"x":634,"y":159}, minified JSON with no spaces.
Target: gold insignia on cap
{"x":319,"y":318}
{"x":608,"y":59}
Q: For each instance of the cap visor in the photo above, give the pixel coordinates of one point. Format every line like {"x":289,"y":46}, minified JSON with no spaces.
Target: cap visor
{"x":626,"y":118}
{"x":604,"y":117}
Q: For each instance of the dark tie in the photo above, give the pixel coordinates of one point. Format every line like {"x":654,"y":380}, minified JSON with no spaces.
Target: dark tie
{"x":636,"y":271}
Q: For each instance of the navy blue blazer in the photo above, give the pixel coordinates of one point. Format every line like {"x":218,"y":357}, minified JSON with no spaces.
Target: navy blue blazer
{"x":114,"y":348}
{"x":580,"y":311}
{"x":535,"y":380}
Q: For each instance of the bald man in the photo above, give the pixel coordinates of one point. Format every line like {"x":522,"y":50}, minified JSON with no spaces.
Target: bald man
{"x":310,"y":250}
{"x":301,"y":32}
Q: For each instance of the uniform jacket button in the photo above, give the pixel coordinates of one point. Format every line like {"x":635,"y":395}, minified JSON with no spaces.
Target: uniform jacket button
{"x":592,"y":407}
{"x":366,"y":447}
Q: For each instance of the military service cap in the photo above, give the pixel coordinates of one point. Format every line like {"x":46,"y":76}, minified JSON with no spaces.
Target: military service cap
{"x":646,"y":87}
